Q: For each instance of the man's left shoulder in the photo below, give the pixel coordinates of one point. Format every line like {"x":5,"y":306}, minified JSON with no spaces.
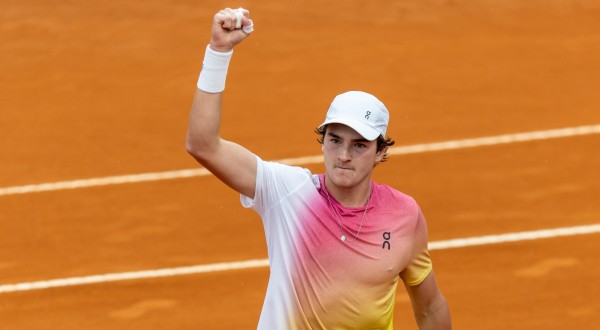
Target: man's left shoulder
{"x":395,"y":196}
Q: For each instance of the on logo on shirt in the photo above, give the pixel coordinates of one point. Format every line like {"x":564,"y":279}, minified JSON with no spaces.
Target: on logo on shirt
{"x":386,"y":243}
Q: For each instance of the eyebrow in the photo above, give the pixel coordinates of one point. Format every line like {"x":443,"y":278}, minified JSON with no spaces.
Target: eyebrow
{"x":353,"y":140}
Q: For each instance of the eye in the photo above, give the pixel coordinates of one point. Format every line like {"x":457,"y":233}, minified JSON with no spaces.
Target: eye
{"x":335,"y":140}
{"x":360,"y":145}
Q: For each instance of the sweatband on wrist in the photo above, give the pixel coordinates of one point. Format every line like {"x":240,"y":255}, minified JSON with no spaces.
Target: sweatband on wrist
{"x":214,"y":71}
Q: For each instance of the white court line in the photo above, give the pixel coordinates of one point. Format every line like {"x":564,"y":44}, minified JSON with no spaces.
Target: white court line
{"x":317,"y":159}
{"x":259,"y":263}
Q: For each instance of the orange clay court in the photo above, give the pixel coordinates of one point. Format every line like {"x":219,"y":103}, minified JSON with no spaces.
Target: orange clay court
{"x":103,"y":90}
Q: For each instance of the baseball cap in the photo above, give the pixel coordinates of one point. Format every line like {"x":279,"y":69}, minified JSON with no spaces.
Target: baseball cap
{"x":361,"y":111}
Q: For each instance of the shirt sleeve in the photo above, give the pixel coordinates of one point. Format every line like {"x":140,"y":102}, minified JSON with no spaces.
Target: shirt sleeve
{"x":420,"y":264}
{"x":274,"y":181}
{"x":249,"y":202}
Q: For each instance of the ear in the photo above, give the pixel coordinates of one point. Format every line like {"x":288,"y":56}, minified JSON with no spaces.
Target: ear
{"x":380,"y":154}
{"x":322,"y":147}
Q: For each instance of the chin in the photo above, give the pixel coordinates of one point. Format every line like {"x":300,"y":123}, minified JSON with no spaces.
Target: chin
{"x":342,"y":181}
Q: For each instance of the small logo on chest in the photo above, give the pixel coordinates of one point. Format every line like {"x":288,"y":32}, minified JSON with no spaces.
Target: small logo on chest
{"x":386,"y":240}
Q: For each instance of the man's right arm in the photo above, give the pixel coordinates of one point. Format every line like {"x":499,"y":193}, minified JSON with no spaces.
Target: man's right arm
{"x":228,"y":161}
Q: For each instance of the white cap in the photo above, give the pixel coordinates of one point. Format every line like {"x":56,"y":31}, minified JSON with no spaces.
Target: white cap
{"x":360,"y":111}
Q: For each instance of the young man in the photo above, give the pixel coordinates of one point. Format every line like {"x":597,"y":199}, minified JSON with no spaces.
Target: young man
{"x":337,"y":242}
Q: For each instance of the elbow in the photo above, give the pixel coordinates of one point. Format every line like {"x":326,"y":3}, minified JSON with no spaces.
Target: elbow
{"x":191,"y":149}
{"x":200,"y":149}
{"x":195,"y":148}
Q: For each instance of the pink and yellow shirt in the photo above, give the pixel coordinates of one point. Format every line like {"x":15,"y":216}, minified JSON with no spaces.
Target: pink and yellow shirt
{"x":318,"y":281}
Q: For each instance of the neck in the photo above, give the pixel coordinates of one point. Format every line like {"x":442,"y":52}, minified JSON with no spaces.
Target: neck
{"x":354,"y":196}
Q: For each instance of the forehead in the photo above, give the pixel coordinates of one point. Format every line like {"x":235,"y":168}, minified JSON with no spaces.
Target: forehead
{"x":344,"y":131}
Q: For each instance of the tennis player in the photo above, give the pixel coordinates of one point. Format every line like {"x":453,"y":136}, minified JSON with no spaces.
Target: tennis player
{"x":338,"y":242}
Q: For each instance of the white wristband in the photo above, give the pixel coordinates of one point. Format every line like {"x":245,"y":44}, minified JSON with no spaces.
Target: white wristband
{"x":214,"y":71}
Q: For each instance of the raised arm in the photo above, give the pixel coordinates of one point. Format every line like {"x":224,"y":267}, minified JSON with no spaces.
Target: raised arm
{"x":230,"y":162}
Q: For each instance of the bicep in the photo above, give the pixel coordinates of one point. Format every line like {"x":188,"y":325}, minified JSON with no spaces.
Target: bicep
{"x":423,"y":294}
{"x":429,"y":305}
{"x":421,"y":290}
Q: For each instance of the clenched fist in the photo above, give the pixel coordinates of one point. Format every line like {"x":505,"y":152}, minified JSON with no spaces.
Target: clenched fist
{"x":230,"y":27}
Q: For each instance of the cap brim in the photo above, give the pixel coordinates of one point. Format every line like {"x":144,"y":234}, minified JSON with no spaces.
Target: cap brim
{"x":364,"y":130}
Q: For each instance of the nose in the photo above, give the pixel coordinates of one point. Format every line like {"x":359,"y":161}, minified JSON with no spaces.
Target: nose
{"x":344,"y":154}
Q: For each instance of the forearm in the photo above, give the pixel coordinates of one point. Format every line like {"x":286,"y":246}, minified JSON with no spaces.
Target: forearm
{"x":229,"y":28}
{"x":233,"y":164}
{"x":205,"y":116}
{"x":436,"y":318}
{"x":204,"y":123}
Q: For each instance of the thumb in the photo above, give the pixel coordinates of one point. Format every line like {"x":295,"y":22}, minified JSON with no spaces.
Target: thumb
{"x":247,"y":25}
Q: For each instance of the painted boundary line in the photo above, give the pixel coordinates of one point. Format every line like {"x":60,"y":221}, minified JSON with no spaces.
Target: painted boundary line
{"x":399,"y":150}
{"x":259,"y":263}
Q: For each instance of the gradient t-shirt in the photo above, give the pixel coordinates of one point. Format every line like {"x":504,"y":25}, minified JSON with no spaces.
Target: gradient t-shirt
{"x":319,"y":281}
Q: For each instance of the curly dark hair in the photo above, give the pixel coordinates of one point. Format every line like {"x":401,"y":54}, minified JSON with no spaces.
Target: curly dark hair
{"x":381,"y":141}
